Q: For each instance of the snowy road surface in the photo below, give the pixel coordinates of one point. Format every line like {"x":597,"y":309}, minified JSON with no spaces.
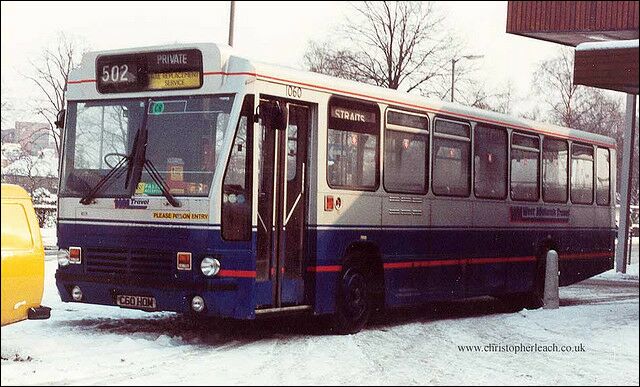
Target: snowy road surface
{"x":86,"y":344}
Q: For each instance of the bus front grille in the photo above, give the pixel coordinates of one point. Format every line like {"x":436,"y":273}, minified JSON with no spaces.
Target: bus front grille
{"x":129,"y":261}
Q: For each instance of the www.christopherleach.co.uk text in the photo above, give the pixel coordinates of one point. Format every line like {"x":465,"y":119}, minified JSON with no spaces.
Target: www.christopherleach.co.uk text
{"x":522,"y":348}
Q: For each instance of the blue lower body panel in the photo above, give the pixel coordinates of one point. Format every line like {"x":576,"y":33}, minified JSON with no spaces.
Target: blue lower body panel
{"x":142,"y":261}
{"x":423,"y":264}
{"x":419,"y":265}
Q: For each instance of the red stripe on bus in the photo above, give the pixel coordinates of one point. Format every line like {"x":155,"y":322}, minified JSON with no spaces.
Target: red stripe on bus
{"x":420,"y":107}
{"x":81,"y":81}
{"x":411,"y":265}
{"x":324,"y":269}
{"x":446,"y":262}
{"x":482,"y":261}
{"x":237,"y":273}
{"x":602,"y":254}
{"x":225,"y":73}
{"x":452,"y":262}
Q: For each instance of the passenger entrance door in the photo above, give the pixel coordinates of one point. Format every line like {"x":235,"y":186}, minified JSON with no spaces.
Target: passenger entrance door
{"x":282,"y":199}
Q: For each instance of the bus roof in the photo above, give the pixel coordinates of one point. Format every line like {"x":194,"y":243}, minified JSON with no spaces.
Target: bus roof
{"x":338,"y":86}
{"x":221,"y":60}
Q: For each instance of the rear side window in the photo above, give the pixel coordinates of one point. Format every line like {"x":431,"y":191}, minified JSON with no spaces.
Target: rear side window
{"x":406,"y":147}
{"x":451,"y":158}
{"x":490,"y":149}
{"x":555,"y":176}
{"x":525,"y":155}
{"x":16,"y":233}
{"x":603,"y":197}
{"x":581,"y":174}
{"x":353,"y":145}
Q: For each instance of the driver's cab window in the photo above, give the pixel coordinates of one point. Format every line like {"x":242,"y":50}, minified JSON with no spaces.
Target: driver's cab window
{"x":237,"y":185}
{"x":104,"y":130}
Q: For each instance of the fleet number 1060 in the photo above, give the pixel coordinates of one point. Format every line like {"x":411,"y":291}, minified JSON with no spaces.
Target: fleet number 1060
{"x":294,"y":91}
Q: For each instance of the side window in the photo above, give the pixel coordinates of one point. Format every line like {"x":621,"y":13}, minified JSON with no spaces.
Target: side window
{"x":451,"y":154}
{"x":581,"y":174}
{"x":603,"y":177}
{"x":525,"y":154}
{"x":406,"y":147}
{"x":555,"y":176}
{"x":490,"y":162}
{"x":237,"y":187}
{"x":352,"y":145}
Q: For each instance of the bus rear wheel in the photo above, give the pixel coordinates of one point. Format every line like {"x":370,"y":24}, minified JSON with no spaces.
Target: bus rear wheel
{"x":353,"y":306}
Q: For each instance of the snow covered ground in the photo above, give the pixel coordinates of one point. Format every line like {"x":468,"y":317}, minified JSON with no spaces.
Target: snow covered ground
{"x":86,"y":344}
{"x":49,"y":237}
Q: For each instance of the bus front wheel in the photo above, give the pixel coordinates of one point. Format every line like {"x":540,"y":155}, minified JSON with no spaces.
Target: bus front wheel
{"x":353,"y":306}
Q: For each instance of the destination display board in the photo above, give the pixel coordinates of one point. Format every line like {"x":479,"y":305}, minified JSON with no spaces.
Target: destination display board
{"x":149,"y":71}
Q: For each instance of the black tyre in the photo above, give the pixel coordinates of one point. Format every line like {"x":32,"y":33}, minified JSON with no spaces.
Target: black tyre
{"x":353,"y":304}
{"x":516,"y":302}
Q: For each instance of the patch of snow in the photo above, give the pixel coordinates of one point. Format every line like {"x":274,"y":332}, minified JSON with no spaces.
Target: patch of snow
{"x":607,"y":45}
{"x":44,"y":164}
{"x":49,"y":237}
{"x":630,"y":275}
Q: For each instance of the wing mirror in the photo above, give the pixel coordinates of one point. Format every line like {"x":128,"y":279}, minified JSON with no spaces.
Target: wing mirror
{"x":60,"y":119}
{"x":273,"y":114}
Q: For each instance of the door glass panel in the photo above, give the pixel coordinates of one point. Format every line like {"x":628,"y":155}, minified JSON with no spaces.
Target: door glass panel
{"x":266,"y":144}
{"x":294,"y":220}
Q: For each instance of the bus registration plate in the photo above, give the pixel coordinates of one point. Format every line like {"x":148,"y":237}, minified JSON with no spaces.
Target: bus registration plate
{"x":137,"y":302}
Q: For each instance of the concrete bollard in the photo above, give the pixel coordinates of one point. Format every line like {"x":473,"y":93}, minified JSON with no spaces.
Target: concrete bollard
{"x":551,"y":282}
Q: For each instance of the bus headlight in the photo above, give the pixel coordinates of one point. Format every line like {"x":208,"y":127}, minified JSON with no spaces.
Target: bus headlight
{"x":210,"y":266}
{"x":63,"y":258}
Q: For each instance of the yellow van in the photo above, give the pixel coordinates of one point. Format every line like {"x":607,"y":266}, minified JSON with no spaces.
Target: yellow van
{"x":22,"y":258}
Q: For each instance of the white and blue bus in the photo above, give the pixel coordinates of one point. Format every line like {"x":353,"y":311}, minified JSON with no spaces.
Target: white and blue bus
{"x":197,"y":181}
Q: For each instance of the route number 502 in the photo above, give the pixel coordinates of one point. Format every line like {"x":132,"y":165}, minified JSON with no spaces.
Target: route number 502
{"x":115,"y":73}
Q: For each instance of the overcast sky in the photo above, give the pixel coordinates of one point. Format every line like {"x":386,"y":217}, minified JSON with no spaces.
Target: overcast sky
{"x":275,"y":32}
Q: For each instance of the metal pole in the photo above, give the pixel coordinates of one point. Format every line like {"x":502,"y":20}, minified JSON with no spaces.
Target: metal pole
{"x":453,"y":71}
{"x":625,"y":185}
{"x":232,"y":14}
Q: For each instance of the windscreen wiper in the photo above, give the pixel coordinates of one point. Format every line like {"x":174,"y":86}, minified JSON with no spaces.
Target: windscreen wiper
{"x":116,"y":171}
{"x":157,"y":177}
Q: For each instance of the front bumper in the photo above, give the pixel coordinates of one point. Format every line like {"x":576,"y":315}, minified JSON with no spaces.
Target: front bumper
{"x":224,"y":297}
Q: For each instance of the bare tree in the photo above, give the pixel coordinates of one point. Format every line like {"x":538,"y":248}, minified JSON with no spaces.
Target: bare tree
{"x":553,"y":80}
{"x":50,"y":75}
{"x":480,"y":96}
{"x":28,"y":170}
{"x":398,"y":45}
